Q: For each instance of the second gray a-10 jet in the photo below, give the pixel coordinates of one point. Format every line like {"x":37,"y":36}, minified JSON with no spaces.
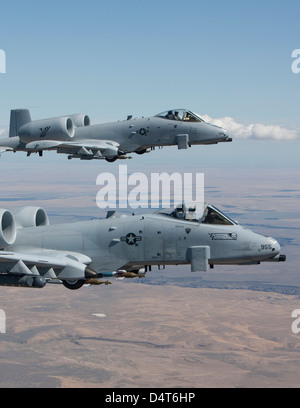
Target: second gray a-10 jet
{"x":75,"y":136}
{"x":32,"y":252}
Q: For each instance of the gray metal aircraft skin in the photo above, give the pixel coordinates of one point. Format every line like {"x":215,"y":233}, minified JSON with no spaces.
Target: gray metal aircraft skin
{"x":32,"y":252}
{"x":73,"y":135}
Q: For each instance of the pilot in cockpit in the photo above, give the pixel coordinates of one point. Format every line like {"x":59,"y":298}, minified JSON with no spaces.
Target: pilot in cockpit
{"x":189,"y":117}
{"x":179,"y":212}
{"x":170,"y":115}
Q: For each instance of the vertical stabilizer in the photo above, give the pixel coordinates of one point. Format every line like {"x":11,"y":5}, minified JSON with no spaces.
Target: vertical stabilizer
{"x":18,"y":118}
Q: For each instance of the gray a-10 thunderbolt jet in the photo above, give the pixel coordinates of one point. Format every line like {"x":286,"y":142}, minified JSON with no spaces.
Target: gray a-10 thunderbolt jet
{"x":32,"y":252}
{"x":73,"y":135}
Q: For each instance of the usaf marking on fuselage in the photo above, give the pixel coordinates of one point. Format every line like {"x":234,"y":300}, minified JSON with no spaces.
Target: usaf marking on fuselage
{"x":32,"y":252}
{"x":131,"y":238}
{"x":75,"y":136}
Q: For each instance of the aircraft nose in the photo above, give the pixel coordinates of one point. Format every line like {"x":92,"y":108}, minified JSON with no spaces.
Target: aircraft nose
{"x":275,"y":248}
{"x":222,"y":134}
{"x":275,"y":245}
{"x":226,"y":138}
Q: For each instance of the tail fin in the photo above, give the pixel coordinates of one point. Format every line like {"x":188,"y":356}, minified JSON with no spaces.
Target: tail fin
{"x":18,"y":118}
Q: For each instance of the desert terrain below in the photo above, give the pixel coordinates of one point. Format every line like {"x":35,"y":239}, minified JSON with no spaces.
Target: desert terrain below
{"x":138,"y":335}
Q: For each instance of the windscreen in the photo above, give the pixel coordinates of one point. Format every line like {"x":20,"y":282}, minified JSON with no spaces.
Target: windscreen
{"x":213,"y":216}
{"x":205,"y":215}
{"x":182,"y":115}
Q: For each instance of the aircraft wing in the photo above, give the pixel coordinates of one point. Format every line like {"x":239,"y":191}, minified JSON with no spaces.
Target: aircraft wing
{"x":35,"y":268}
{"x":84,"y":148}
{"x":46,"y":264}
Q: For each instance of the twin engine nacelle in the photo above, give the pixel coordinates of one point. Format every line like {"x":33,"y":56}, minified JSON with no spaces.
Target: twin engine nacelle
{"x":16,"y":218}
{"x":60,"y":128}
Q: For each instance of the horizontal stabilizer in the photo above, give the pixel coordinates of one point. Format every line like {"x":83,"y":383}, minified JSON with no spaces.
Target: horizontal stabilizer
{"x":5,"y":149}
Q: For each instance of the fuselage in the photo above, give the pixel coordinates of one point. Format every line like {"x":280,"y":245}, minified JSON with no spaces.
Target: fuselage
{"x":151,"y":239}
{"x":181,"y":128}
{"x":139,"y":134}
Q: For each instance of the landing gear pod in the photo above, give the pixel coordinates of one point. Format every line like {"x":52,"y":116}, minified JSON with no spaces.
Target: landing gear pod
{"x":198,"y":257}
{"x":73,"y":284}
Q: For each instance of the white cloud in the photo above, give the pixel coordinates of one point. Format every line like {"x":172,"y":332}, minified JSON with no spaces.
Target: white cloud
{"x":254,"y":131}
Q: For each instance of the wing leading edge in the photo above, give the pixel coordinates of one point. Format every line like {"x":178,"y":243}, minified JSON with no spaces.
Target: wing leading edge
{"x":35,"y":269}
{"x":82,"y":149}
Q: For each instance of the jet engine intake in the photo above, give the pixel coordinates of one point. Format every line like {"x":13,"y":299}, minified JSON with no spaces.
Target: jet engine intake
{"x":8,"y":229}
{"x":26,"y":217}
{"x":61,"y":128}
{"x":80,"y":120}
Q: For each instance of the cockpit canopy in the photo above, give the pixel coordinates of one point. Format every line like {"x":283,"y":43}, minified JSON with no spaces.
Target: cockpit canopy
{"x":182,"y":115}
{"x":207,"y":214}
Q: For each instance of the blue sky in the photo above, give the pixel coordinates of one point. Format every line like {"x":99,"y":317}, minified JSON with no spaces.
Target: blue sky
{"x":113,"y":58}
{"x":110,"y":59}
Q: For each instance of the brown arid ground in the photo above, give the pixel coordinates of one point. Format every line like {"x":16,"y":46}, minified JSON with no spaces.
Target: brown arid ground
{"x":138,"y":335}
